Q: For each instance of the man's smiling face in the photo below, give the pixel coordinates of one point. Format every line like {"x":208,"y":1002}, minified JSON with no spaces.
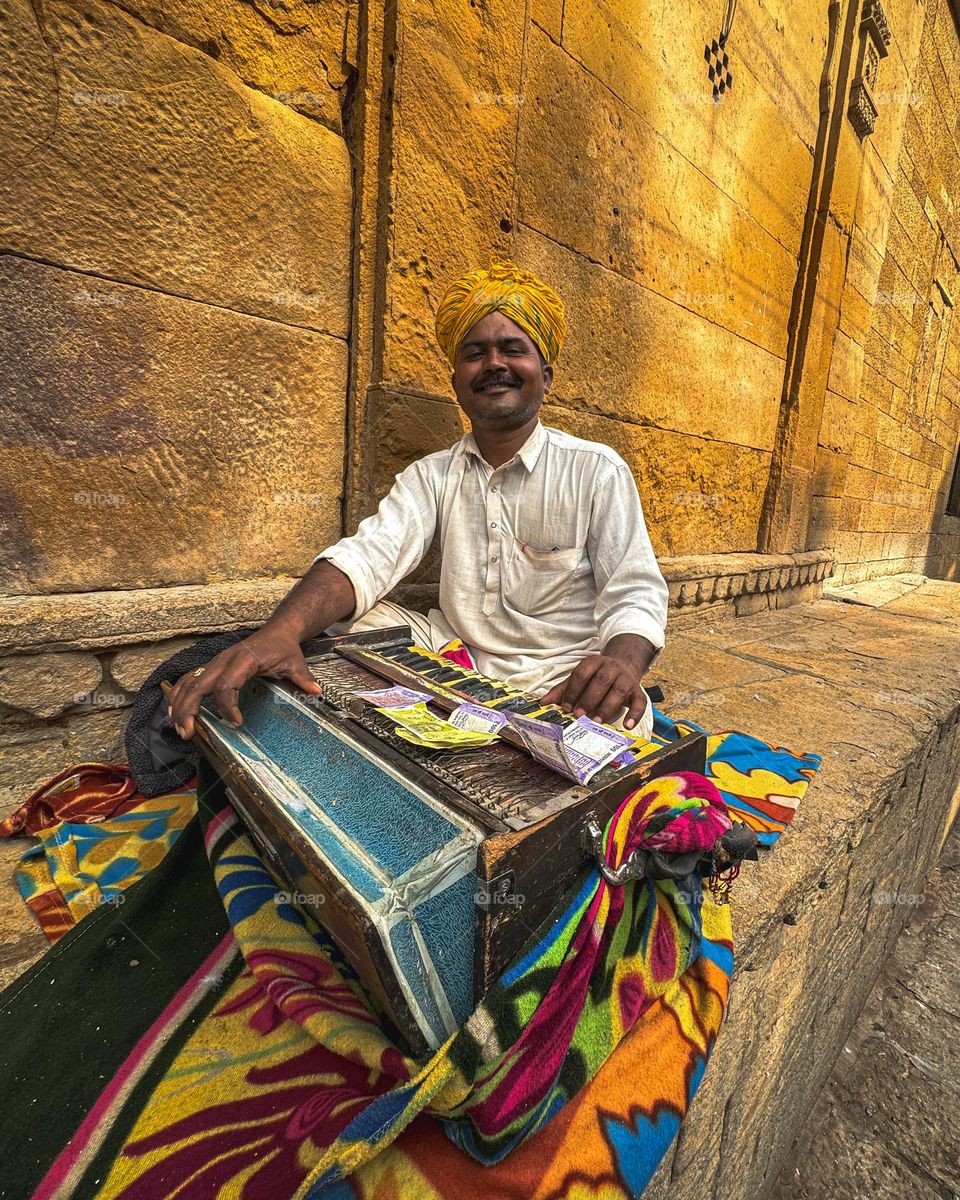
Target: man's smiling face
{"x":499,"y":376}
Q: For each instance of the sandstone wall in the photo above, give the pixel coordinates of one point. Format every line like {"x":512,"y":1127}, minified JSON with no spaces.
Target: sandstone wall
{"x":760,"y":302}
{"x":888,"y":437}
{"x":175,"y":228}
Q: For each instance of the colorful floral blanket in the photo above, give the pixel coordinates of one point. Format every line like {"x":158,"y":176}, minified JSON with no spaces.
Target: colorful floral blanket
{"x":252,"y":1066}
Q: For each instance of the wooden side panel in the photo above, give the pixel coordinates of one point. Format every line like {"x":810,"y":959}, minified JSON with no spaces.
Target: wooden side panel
{"x":521,"y":876}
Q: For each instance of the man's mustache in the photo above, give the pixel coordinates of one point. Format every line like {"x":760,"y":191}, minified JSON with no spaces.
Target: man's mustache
{"x":499,"y":381}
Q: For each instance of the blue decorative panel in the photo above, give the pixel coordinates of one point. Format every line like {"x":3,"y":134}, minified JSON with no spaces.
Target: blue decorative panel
{"x":389,"y":844}
{"x":394,"y":826}
{"x":446,"y":922}
{"x":413,"y":969}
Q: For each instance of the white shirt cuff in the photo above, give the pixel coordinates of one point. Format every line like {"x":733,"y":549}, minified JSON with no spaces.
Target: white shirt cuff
{"x":359,"y":574}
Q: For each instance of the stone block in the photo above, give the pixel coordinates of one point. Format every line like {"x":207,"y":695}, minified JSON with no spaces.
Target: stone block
{"x":846,"y":366}
{"x":615,"y":41}
{"x":642,"y":359}
{"x":398,"y":429}
{"x":872,"y":217}
{"x":746,"y":605}
{"x":824,"y":519}
{"x":129,"y":668}
{"x":864,"y":264}
{"x":295,"y":52}
{"x":105,"y":620}
{"x":697,"y":493}
{"x":457,"y":100}
{"x":845,"y":186}
{"x":46,"y":685}
{"x":152,"y":440}
{"x":548,"y":14}
{"x":134,"y":157}
{"x":829,"y":472}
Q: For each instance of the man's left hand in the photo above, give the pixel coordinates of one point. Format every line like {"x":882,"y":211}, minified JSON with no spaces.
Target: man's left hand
{"x":599,"y":688}
{"x":603,"y":684}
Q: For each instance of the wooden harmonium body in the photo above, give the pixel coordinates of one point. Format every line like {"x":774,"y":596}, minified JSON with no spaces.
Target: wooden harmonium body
{"x":430,"y":869}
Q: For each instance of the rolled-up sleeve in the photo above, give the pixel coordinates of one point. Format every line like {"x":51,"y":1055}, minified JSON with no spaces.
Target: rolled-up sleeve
{"x":631,"y":591}
{"x":388,"y":545}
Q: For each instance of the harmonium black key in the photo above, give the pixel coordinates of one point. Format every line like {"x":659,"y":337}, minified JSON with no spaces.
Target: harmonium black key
{"x":431,"y":870}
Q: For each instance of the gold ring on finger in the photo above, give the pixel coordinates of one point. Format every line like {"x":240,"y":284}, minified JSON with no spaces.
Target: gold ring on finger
{"x":199,"y":671}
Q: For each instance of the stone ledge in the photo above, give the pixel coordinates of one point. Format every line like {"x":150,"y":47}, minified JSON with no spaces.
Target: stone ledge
{"x":745,"y":582}
{"x":100,"y":620}
{"x":716,"y":585}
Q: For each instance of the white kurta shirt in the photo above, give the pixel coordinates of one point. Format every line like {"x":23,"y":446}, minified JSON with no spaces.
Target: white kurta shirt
{"x":544,"y":559}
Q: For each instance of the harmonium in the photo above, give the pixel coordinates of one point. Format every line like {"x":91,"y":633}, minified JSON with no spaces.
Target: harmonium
{"x":430,"y":869}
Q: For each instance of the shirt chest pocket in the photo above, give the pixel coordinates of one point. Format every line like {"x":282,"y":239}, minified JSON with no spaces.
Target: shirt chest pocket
{"x":538,"y":581}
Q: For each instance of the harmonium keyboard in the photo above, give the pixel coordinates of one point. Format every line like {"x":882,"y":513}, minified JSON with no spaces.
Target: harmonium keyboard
{"x":429,"y":868}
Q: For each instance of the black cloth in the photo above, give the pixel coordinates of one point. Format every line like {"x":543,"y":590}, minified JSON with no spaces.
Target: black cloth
{"x":160,"y":760}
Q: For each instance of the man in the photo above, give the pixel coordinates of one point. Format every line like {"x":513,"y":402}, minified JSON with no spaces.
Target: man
{"x":547,"y":572}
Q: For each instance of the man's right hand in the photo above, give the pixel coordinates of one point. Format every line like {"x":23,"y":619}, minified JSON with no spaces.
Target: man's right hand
{"x":274,"y":652}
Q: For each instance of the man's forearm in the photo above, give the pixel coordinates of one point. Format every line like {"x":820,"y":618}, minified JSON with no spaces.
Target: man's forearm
{"x":632,"y":650}
{"x":324,"y":595}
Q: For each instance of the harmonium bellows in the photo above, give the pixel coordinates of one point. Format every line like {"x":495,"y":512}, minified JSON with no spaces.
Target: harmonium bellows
{"x":429,"y":869}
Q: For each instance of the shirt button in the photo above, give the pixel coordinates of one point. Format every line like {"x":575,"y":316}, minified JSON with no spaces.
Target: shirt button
{"x":494,"y":488}
{"x":494,"y":558}
{"x":493,"y":524}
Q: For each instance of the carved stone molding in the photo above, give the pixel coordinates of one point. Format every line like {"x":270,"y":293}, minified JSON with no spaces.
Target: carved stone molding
{"x":744,"y":583}
{"x":874,"y":45}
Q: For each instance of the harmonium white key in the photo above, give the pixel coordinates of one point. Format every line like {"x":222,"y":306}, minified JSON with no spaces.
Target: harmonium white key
{"x":430,"y":869}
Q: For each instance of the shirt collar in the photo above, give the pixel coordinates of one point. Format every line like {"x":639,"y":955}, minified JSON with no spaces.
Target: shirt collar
{"x":528,"y":453}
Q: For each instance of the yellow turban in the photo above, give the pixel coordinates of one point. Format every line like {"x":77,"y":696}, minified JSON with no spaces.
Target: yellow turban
{"x":536,"y":308}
